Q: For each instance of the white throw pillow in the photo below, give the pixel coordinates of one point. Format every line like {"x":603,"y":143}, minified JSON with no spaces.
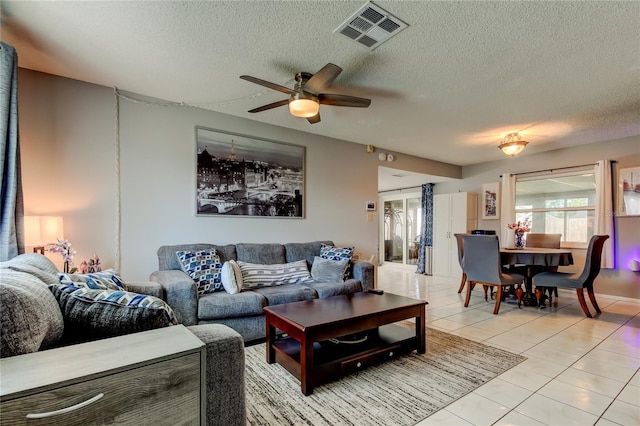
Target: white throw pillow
{"x":231,"y":277}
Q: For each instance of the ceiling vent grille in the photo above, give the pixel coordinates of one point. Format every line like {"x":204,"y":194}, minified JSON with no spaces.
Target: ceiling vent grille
{"x":371,"y":26}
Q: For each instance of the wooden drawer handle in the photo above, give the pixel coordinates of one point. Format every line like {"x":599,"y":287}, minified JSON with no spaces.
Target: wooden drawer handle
{"x":65,"y":410}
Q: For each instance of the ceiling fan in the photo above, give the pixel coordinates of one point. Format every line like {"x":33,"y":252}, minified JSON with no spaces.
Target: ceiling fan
{"x":306,"y":96}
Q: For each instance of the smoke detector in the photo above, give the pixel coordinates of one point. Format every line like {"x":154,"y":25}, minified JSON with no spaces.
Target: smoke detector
{"x":371,"y":26}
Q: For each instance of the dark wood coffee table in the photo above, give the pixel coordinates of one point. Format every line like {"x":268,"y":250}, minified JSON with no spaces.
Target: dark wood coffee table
{"x":306,"y":351}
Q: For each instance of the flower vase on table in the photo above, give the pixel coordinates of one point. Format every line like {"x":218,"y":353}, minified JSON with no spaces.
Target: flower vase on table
{"x":519,"y":230}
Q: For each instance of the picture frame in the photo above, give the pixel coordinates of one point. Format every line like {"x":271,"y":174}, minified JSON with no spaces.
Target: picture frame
{"x":491,"y":201}
{"x":629,"y":191}
{"x":371,"y":206}
{"x":246,"y":176}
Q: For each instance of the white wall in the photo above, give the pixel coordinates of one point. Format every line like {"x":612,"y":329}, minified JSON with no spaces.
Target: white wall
{"x":68,"y":156}
{"x":68,"y":140}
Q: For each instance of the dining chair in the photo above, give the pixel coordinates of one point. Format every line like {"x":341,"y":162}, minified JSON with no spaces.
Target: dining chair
{"x":544,"y":241}
{"x":481,"y":264}
{"x":578,"y":281}
{"x":460,"y":256}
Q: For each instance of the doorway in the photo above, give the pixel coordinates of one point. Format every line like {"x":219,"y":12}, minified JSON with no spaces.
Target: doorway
{"x":400,"y":228}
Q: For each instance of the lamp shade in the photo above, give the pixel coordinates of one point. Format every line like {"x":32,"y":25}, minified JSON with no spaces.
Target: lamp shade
{"x":303,"y":106}
{"x":513,"y":148}
{"x":42,"y":230}
{"x":32,"y":231}
{"x":512,"y":144}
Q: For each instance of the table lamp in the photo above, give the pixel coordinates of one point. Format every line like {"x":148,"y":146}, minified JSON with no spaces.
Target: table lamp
{"x":42,"y":230}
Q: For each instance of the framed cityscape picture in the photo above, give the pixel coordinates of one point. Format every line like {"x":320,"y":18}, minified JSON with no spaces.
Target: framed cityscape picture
{"x":240,"y":175}
{"x":491,"y":200}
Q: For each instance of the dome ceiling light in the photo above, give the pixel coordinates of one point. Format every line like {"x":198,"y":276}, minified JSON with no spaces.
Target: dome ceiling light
{"x":512,"y":144}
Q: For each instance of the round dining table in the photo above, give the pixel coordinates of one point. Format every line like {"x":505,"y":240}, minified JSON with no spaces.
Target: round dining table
{"x":535,"y":256}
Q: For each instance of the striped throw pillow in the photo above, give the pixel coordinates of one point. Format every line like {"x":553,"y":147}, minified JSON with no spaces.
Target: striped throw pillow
{"x":255,"y":275}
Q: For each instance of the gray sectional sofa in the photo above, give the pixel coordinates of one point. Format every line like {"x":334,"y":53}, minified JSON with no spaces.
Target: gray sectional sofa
{"x":32,"y":319}
{"x":243,"y":311}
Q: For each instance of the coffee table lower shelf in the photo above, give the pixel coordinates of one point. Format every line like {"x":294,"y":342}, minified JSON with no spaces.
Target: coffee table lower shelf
{"x":332,"y":361}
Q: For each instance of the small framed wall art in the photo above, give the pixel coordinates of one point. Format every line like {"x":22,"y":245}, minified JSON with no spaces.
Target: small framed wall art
{"x":491,"y":200}
{"x":629,"y":191}
{"x":371,"y":206}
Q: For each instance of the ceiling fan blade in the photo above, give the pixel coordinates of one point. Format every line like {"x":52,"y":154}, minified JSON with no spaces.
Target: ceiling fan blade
{"x":343,"y":100}
{"x":268,"y":84}
{"x":322,"y":78}
{"x":270,"y":106}
{"x":315,"y":119}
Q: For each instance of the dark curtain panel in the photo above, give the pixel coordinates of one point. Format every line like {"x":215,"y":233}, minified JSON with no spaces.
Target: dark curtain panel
{"x":426,"y":239}
{"x":12,"y":221}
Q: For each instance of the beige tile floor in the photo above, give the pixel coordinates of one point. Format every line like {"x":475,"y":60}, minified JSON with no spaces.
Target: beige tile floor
{"x":579,"y":370}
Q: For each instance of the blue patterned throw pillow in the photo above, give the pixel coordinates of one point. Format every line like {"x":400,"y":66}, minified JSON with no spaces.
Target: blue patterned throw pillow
{"x":90,"y":314}
{"x":338,"y":253}
{"x":204,"y":268}
{"x":104,"y":280}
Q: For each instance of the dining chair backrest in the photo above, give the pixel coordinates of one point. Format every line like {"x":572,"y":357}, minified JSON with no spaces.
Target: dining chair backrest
{"x":543,"y":240}
{"x":481,"y":261}
{"x":593,"y":259}
{"x":460,"y":247}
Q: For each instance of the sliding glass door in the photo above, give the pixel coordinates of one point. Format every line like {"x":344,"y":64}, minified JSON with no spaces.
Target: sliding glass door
{"x":400,"y":228}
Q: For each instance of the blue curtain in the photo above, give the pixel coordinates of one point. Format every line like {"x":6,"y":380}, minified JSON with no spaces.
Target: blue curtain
{"x":426,"y":239}
{"x":11,"y":207}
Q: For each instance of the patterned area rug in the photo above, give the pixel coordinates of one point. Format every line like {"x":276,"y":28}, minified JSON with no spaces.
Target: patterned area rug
{"x":399,"y":392}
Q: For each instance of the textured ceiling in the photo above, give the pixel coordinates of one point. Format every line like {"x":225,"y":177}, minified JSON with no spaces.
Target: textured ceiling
{"x":448,"y":88}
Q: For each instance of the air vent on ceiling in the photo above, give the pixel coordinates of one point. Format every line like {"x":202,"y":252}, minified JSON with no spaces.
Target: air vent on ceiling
{"x":371,"y":26}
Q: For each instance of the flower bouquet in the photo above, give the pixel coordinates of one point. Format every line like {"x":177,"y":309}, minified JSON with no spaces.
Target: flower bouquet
{"x":64,"y":248}
{"x":519,"y":230}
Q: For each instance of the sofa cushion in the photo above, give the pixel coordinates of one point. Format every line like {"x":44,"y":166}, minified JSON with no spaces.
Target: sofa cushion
{"x":167,"y":259}
{"x":108,"y":279}
{"x":90,"y":314}
{"x":265,"y":254}
{"x":203,"y":266}
{"x":328,"y":289}
{"x":287,"y":293}
{"x":338,"y":253}
{"x":224,"y":305}
{"x":328,"y":269}
{"x":30,"y":318}
{"x":231,"y":277}
{"x":258,"y":275}
{"x":306,"y":251}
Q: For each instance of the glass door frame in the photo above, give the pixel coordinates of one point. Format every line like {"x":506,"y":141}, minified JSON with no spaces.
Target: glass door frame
{"x":404,"y":197}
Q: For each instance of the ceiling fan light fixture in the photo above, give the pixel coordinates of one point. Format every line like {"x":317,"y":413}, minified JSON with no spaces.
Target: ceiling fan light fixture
{"x":303,"y":106}
{"x":512,"y":144}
